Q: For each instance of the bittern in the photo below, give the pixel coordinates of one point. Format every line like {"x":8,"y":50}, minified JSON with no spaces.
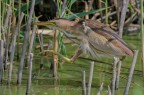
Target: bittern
{"x":94,"y":37}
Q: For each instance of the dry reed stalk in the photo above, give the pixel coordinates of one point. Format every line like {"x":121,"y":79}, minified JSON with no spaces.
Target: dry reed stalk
{"x":64,"y":8}
{"x":30,"y":74}
{"x":109,"y":91}
{"x":133,"y":4}
{"x":83,"y":83}
{"x":31,"y":43}
{"x":131,"y":73}
{"x":122,"y":17}
{"x":118,"y":74}
{"x":120,"y":27}
{"x":100,"y":6}
{"x":13,"y":27}
{"x":86,"y":9}
{"x":7,"y":42}
{"x":90,"y":5}
{"x":100,"y":90}
{"x":18,"y":38}
{"x":142,"y":33}
{"x":1,"y":59}
{"x":113,"y":23}
{"x":0,"y":20}
{"x":106,"y":12}
{"x":41,"y":42}
{"x":95,"y":15}
{"x":55,"y":57}
{"x":20,"y":70}
{"x":130,"y":19}
{"x":138,"y":3}
{"x":9,"y":13}
{"x":48,"y":46}
{"x":90,"y":78}
{"x":108,"y":15}
{"x":114,"y":75}
{"x":118,"y":5}
{"x":13,"y":49}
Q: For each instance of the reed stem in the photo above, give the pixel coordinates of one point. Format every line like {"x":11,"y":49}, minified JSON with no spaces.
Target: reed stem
{"x":83,"y":83}
{"x":142,"y":33}
{"x":131,"y":73}
{"x":20,"y":70}
{"x":1,"y":59}
{"x":13,"y":49}
{"x":90,"y":78}
{"x":30,"y":75}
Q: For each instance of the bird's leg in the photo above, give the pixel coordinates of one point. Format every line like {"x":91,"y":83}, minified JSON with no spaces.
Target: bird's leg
{"x":78,"y":53}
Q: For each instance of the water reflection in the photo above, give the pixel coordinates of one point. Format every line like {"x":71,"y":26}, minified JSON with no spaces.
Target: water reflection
{"x":12,"y":90}
{"x":69,"y":82}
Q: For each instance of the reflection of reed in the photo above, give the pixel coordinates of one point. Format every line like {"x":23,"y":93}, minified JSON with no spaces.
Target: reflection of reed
{"x":57,"y":90}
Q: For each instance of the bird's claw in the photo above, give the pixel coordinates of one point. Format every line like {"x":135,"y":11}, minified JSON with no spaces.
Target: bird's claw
{"x":72,"y":61}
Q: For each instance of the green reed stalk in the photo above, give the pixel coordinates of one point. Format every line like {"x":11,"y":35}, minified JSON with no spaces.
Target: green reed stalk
{"x":0,"y":19}
{"x":106,"y":6}
{"x":12,"y":4}
{"x":142,"y":32}
{"x":18,"y":38}
{"x":3,"y":4}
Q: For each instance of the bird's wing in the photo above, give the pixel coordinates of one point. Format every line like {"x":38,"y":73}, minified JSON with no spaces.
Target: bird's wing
{"x":94,"y":24}
{"x":107,"y":42}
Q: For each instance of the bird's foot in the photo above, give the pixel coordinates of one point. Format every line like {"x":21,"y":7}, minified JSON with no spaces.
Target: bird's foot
{"x":72,"y":60}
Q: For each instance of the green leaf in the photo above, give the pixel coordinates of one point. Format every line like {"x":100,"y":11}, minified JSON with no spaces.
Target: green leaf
{"x":72,"y":2}
{"x":130,"y":7}
{"x":73,"y":16}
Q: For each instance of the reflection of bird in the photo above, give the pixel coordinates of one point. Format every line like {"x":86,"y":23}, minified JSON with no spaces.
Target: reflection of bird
{"x":95,"y":38}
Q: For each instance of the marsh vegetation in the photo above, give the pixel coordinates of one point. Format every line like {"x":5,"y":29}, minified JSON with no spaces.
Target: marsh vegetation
{"x":26,"y":67}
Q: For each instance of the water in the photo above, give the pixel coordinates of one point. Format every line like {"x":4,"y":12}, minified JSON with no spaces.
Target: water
{"x":69,"y":82}
{"x":70,"y":77}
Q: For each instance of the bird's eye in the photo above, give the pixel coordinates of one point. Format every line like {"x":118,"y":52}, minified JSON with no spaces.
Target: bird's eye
{"x":84,"y":24}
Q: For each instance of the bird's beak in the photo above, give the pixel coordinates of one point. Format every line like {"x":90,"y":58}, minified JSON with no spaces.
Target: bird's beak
{"x":49,"y":23}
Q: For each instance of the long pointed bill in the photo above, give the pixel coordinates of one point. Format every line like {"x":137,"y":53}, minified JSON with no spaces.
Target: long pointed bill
{"x":44,"y":23}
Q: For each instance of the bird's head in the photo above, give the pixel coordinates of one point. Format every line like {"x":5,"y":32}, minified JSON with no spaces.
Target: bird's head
{"x":59,"y":23}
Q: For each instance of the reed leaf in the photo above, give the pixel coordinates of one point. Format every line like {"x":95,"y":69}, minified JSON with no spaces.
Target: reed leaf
{"x":73,"y":16}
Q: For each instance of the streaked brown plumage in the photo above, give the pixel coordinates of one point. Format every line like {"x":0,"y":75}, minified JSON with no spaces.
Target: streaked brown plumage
{"x":95,"y":38}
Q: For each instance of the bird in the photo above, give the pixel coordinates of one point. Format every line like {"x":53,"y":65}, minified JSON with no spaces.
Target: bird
{"x":93,"y":37}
